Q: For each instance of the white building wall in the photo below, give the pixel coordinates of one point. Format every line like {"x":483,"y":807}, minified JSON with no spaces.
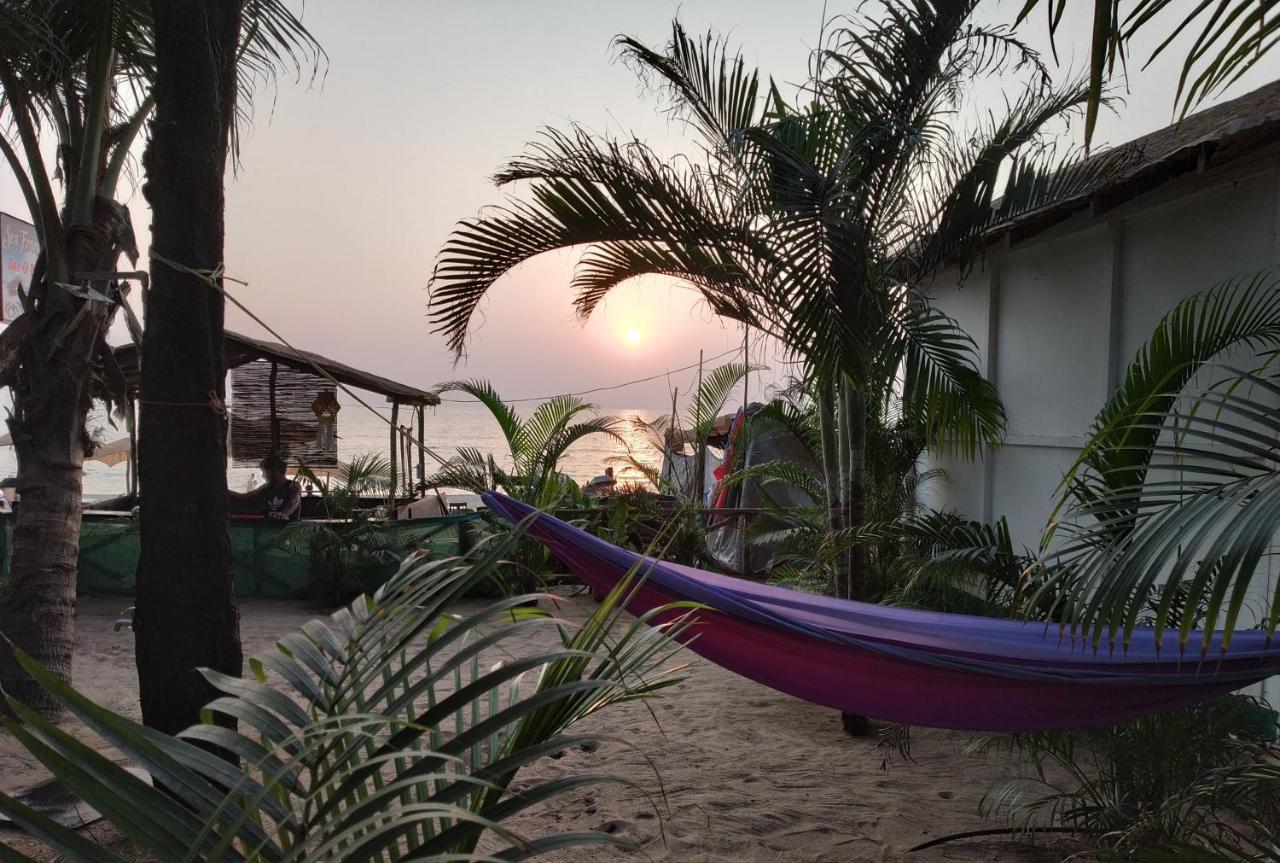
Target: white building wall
{"x":1058,"y":318}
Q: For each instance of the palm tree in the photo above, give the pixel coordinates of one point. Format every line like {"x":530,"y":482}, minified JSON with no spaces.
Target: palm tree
{"x":70,"y":70}
{"x":386,"y":733}
{"x":186,"y":616}
{"x":1234,"y":35}
{"x":80,"y":73}
{"x":1170,"y":513}
{"x":816,"y":222}
{"x":534,"y":446}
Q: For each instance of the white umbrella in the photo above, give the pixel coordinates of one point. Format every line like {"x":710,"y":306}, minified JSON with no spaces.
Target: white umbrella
{"x":112,"y":454}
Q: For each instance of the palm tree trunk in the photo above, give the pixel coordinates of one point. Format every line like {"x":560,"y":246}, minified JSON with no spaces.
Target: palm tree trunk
{"x":852,"y":445}
{"x":844,"y":445}
{"x":186,"y":615}
{"x":39,"y":603}
{"x":51,"y":402}
{"x":831,"y":469}
{"x":853,"y":450}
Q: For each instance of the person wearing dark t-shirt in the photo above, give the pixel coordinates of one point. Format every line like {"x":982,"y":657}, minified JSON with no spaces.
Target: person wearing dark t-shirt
{"x":279,"y":497}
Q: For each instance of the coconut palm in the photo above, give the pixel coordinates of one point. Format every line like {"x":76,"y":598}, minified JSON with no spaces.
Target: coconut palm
{"x":534,"y":446}
{"x":1175,"y":500}
{"x":815,"y":221}
{"x":385,"y":733}
{"x":78,"y":74}
{"x":1233,"y":36}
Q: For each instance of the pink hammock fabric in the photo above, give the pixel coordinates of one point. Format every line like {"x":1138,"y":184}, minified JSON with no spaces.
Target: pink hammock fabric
{"x":904,"y":665}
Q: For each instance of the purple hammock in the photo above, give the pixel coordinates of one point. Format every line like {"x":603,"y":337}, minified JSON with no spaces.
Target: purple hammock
{"x":902,"y":665}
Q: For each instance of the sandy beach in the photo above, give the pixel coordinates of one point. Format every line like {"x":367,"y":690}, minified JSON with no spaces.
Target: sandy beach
{"x":734,"y":771}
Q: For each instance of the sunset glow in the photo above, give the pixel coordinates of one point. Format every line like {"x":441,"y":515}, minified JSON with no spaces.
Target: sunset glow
{"x":632,"y":336}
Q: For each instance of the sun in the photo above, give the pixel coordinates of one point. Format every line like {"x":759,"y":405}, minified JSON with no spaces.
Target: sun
{"x":632,"y":336}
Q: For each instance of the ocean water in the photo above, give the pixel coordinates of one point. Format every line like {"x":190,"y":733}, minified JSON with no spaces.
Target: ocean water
{"x":451,"y":425}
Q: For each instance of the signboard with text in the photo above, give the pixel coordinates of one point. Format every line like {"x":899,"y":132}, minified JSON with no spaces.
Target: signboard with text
{"x":19,"y":248}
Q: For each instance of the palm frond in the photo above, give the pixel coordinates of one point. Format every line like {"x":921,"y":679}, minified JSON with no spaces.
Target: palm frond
{"x":482,"y":391}
{"x":958,"y":409}
{"x":1194,"y":531}
{"x":549,"y":419}
{"x":1233,"y":36}
{"x":714,"y":89}
{"x":710,"y":398}
{"x":402,"y":743}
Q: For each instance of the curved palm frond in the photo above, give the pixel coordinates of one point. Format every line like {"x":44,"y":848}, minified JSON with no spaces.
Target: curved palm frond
{"x":548,"y":420}
{"x":710,"y":398}
{"x":584,"y":191}
{"x":534,"y":446}
{"x":273,"y":41}
{"x":717,"y":91}
{"x":956,"y":406}
{"x":1241,"y":313}
{"x":383,"y":733}
{"x":1156,"y":504}
{"x":1233,"y":36}
{"x":941,"y":551}
{"x":722,"y":279}
{"x":1195,"y":531}
{"x":483,"y":392}
{"x":468,"y":469}
{"x":571,"y":434}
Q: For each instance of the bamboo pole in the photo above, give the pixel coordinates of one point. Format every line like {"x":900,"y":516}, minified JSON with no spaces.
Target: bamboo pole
{"x":406,"y":472}
{"x":133,"y":446}
{"x":422,"y":449}
{"x":275,"y":420}
{"x":392,"y":457}
{"x":699,"y":443}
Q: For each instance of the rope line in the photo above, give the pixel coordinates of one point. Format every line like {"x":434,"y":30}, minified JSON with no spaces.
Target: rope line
{"x":214,"y":278}
{"x":214,"y":403}
{"x":604,"y":389}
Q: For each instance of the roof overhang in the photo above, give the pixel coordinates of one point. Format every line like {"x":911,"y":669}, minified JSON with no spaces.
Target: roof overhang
{"x":242,"y":349}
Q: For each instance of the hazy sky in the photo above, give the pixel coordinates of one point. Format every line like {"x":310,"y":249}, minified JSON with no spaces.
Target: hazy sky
{"x":349,"y":188}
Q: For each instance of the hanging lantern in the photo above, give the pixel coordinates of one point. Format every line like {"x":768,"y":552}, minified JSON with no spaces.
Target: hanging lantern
{"x":326,"y":408}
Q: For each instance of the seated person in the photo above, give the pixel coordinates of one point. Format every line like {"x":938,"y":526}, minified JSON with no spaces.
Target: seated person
{"x":278,"y":498}
{"x":602,"y":485}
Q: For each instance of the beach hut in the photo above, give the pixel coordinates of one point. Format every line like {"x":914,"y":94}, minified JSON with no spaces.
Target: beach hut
{"x":1064,"y":296}
{"x":289,"y":408}
{"x":286,"y":405}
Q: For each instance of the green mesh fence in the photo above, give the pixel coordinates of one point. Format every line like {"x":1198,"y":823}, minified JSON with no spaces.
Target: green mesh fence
{"x":271,"y":560}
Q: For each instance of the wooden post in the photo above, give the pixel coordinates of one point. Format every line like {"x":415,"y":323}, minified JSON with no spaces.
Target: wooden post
{"x":742,"y":543}
{"x":133,"y":446}
{"x":699,"y":444}
{"x":275,"y":419}
{"x":393,"y":456}
{"x":406,"y":473}
{"x":422,"y":449}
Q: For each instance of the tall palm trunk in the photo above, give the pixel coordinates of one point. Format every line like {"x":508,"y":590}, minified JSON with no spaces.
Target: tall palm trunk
{"x":853,"y":455}
{"x":186,"y":614}
{"x":852,"y":564}
{"x":51,"y":402}
{"x":830,"y":439}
